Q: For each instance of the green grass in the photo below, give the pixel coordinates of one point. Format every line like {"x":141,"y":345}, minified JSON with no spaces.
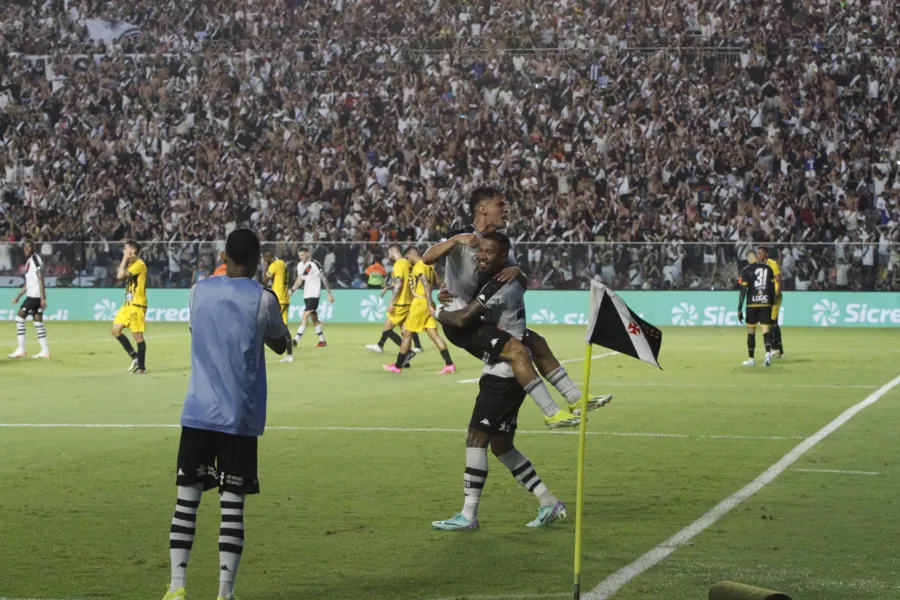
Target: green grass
{"x":345,"y":514}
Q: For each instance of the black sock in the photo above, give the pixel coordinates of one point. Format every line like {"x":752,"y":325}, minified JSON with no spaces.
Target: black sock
{"x":290,"y":348}
{"x":751,"y":344}
{"x":776,"y":338}
{"x":394,"y":337}
{"x":416,"y":341}
{"x":384,"y":338}
{"x":126,"y":343}
{"x":767,"y":338}
{"x":401,"y":358}
{"x":445,"y":354}
{"x":141,"y":354}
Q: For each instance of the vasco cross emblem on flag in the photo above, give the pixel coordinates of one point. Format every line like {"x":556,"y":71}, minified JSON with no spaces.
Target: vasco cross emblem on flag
{"x":633,"y":328}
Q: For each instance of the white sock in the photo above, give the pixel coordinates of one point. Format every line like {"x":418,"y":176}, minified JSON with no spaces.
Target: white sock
{"x":20,"y":333}
{"x":231,"y":542}
{"x":181,"y":535}
{"x":560,"y":379}
{"x":541,"y":396}
{"x":319,"y":332}
{"x":473,"y":480}
{"x":300,"y":331}
{"x":522,"y":469}
{"x":42,"y":336}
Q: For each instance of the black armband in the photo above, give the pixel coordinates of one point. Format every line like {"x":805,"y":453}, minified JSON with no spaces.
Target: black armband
{"x":488,"y":290}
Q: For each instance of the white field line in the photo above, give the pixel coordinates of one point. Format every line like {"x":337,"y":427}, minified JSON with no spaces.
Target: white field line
{"x":562,"y":362}
{"x":489,"y":597}
{"x":838,"y":471}
{"x":395,"y":430}
{"x":620,"y":578}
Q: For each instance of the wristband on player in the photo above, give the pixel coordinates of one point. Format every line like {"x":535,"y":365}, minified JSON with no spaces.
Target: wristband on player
{"x":488,"y":290}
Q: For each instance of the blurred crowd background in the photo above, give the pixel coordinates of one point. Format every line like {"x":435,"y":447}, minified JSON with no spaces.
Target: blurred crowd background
{"x":646,"y":143}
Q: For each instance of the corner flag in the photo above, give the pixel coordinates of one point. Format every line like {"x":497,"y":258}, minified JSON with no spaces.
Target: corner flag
{"x":615,"y":326}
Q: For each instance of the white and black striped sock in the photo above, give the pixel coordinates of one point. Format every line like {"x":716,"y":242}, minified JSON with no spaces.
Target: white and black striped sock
{"x":42,"y":336}
{"x":181,"y":535}
{"x":20,"y":333}
{"x":320,"y":333}
{"x":560,"y":379}
{"x":524,"y":472}
{"x":473,"y":480}
{"x":231,"y":542}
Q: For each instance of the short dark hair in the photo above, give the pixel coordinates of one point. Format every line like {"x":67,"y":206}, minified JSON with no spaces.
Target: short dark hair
{"x":397,"y":246}
{"x":482,"y":194}
{"x":302,"y":249}
{"x":28,"y":243}
{"x":133,"y":244}
{"x":242,"y":247}
{"x":763,"y":249}
{"x":500,"y":239}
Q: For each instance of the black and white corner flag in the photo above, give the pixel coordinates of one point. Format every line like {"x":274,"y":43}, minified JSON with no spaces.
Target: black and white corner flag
{"x":615,"y":326}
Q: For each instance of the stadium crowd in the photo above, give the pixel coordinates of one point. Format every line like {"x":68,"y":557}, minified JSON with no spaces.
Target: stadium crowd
{"x":684,"y":132}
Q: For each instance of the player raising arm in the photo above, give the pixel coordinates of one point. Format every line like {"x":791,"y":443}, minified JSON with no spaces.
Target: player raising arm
{"x":495,"y":416}
{"x":133,"y":314}
{"x":758,"y":285}
{"x":224,"y":413}
{"x":311,"y":277}
{"x":34,"y":305}
{"x":276,"y":276}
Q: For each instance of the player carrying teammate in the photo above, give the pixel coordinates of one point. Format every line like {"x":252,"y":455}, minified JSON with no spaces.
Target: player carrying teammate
{"x":276,"y":277}
{"x":757,"y":282}
{"x":494,"y":418}
{"x":224,"y":411}
{"x":423,"y":281}
{"x":777,"y":347}
{"x":489,"y":207}
{"x":398,"y":308}
{"x":133,"y":314}
{"x":34,"y":305}
{"x":311,"y":277}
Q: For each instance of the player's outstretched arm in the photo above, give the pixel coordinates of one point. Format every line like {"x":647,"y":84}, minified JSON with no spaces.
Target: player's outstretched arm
{"x":443,"y":248}
{"x":462,"y":317}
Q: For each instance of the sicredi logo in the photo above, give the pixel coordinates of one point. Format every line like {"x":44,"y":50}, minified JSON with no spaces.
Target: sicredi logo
{"x":372,"y":308}
{"x":684,"y":314}
{"x":862,"y":313}
{"x":826,"y":312}
{"x":544,"y":316}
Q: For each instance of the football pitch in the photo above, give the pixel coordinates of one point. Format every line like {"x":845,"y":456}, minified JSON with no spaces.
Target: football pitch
{"x":356,"y":463}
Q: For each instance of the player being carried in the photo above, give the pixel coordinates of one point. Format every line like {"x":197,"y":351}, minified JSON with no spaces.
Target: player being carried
{"x":423,"y":281}
{"x":34,"y":305}
{"x":398,"y":308}
{"x":489,"y":207}
{"x":777,"y":347}
{"x":500,"y":395}
{"x":133,"y":314}
{"x":277,"y":278}
{"x":311,"y":277}
{"x":758,"y":283}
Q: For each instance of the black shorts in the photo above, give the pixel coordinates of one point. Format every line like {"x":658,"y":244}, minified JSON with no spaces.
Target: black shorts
{"x":484,"y":341}
{"x":218,"y":459}
{"x":31,"y":307}
{"x":759,"y":314}
{"x":312,"y":304}
{"x":497,"y":405}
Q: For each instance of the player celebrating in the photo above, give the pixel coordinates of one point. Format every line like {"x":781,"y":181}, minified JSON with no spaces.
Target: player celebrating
{"x":224,"y":411}
{"x":424,"y":280}
{"x":777,"y":347}
{"x":398,"y":308}
{"x":34,"y":305}
{"x":488,"y":206}
{"x":757,"y":280}
{"x":310,"y":276}
{"x":494,"y":418}
{"x":133,"y":314}
{"x":277,"y":278}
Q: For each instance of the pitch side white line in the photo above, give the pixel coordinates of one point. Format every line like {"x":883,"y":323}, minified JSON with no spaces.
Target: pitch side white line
{"x":398,"y":430}
{"x":562,"y":362}
{"x":498,"y":597}
{"x":838,"y":471}
{"x":619,"y":579}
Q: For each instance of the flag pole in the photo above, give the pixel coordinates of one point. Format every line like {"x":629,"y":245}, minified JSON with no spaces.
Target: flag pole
{"x":579,"y":492}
